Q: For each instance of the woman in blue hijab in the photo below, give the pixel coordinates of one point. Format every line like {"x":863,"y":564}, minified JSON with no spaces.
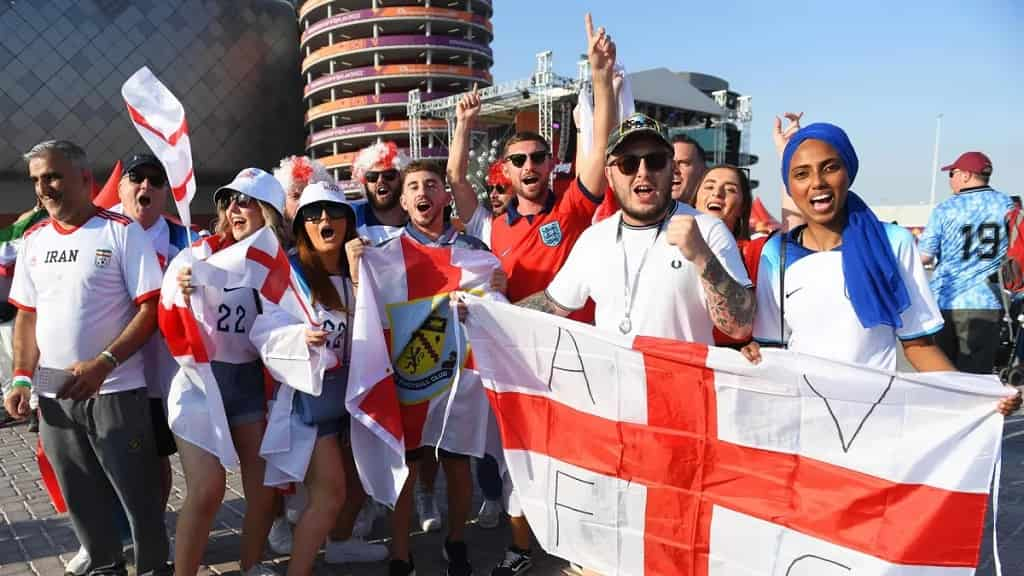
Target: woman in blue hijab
{"x":843,"y":285}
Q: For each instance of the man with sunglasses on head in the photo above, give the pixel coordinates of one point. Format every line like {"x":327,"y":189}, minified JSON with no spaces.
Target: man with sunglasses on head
{"x":535,"y":235}
{"x":659,"y":267}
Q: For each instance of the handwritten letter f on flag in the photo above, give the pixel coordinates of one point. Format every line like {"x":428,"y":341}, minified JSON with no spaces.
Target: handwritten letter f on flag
{"x":659,"y":457}
{"x":160,"y":119}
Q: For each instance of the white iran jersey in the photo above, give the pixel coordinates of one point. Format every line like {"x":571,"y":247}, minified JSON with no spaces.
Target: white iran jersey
{"x":85,"y":285}
{"x":669,"y":301}
{"x":820,"y":319}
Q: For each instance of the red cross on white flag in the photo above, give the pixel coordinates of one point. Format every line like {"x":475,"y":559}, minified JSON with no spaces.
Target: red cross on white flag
{"x":659,"y":457}
{"x":160,"y":119}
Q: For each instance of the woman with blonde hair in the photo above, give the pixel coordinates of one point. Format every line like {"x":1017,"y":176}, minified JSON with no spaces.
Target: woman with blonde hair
{"x":252,"y":201}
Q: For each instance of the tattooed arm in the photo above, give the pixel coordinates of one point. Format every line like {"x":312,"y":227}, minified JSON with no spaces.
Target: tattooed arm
{"x":731,"y":305}
{"x":541,"y":301}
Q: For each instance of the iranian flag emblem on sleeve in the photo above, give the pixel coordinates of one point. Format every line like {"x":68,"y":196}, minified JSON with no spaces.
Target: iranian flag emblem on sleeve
{"x":658,"y":457}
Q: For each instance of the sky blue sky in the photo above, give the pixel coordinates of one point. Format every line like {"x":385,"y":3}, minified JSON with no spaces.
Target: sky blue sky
{"x":881,"y":70}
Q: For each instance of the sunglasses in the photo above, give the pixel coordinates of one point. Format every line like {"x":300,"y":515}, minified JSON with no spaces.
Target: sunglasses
{"x":519,"y":160}
{"x":157,"y":180}
{"x":628,"y":164}
{"x":313,"y":212}
{"x":388,"y":175}
{"x":638,"y":121}
{"x":224,"y":200}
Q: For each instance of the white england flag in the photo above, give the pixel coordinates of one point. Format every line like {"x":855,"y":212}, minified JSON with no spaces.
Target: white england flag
{"x":658,"y":457}
{"x":160,"y":119}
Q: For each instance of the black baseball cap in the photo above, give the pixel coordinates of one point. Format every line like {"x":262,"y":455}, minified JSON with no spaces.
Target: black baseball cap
{"x":636,"y":124}
{"x":137,"y":160}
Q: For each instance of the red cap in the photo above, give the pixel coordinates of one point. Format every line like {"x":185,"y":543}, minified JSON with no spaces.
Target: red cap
{"x":975,"y":162}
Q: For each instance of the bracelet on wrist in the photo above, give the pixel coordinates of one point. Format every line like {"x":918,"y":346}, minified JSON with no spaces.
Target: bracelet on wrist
{"x":21,"y":381}
{"x":109,"y":357}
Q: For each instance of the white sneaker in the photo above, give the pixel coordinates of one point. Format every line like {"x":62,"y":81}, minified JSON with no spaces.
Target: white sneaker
{"x":364,"y":521}
{"x":426,"y":508}
{"x":79,"y":564}
{"x":280,"y":537}
{"x":489,"y":515}
{"x":260,"y":570}
{"x":354,"y":550}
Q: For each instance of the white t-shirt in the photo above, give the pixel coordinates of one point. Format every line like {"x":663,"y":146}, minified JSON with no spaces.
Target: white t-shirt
{"x":669,"y":299}
{"x":379,"y":234}
{"x":479,"y":224}
{"x":85,"y":285}
{"x":820,"y":319}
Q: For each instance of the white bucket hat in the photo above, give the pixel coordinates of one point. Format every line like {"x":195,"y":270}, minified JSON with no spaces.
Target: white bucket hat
{"x":322,"y":192}
{"x":257,"y":184}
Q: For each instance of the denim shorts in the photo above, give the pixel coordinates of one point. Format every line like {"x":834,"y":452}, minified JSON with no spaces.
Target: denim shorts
{"x":241,"y":389}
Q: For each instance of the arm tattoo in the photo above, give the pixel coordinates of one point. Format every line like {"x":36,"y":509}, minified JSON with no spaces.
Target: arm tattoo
{"x":539,"y":301}
{"x":731,"y":305}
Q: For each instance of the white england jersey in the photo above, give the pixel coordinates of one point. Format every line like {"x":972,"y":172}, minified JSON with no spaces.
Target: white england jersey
{"x":379,"y":233}
{"x":819,"y":317}
{"x":85,"y":285}
{"x":231,"y":313}
{"x":668,"y":300}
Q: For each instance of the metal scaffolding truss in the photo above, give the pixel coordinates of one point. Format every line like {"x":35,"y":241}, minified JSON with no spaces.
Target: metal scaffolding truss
{"x":740,"y":117}
{"x":499,"y":103}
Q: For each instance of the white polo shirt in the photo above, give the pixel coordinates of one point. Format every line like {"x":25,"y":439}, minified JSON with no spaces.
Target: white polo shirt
{"x":669,"y":299}
{"x":85,"y":285}
{"x":820,"y":319}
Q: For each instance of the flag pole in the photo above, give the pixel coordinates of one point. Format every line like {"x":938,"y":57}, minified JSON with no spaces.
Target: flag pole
{"x":935,"y":156}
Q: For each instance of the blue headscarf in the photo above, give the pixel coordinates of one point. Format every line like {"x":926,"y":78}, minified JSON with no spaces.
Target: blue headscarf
{"x":873,"y":280}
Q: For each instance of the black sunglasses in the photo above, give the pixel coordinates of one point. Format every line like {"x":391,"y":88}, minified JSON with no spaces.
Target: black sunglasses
{"x":628,"y":164}
{"x":519,"y":160}
{"x":388,"y":175}
{"x":136,"y":177}
{"x":313,"y":212}
{"x":224,"y":200}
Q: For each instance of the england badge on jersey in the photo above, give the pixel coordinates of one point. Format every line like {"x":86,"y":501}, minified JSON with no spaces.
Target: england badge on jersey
{"x":551,"y":234}
{"x":103,"y":257}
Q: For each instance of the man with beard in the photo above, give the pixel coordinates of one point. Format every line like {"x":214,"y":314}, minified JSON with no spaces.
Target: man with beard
{"x":681,"y":273}
{"x":87,"y":293}
{"x":689,"y":163}
{"x":379,"y":168}
{"x":535,"y":236}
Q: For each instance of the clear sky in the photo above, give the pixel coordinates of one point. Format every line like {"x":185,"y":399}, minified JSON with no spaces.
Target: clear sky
{"x":882,"y":70}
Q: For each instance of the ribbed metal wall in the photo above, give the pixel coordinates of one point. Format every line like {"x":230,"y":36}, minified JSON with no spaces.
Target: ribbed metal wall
{"x":234,"y":65}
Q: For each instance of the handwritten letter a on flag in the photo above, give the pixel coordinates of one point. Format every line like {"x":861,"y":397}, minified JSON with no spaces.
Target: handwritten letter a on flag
{"x":659,"y":457}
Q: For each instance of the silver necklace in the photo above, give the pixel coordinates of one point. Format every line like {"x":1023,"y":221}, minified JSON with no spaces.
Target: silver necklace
{"x":629,"y":287}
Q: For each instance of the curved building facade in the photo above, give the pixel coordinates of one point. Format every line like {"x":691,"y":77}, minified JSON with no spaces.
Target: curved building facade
{"x":360,"y":60}
{"x":234,"y":65}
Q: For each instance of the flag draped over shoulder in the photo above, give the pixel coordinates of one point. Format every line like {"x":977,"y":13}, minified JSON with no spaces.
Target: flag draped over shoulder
{"x":409,"y":356}
{"x":160,"y":119}
{"x":657,"y":457}
{"x":195,"y":407}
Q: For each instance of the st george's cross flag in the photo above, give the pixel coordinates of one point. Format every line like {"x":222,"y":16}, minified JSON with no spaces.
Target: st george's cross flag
{"x":410,"y":357}
{"x":160,"y":119}
{"x":195,"y":407}
{"x":656,"y":457}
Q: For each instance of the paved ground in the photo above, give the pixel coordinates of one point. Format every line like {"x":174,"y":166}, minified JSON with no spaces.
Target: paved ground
{"x":36,"y":540}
